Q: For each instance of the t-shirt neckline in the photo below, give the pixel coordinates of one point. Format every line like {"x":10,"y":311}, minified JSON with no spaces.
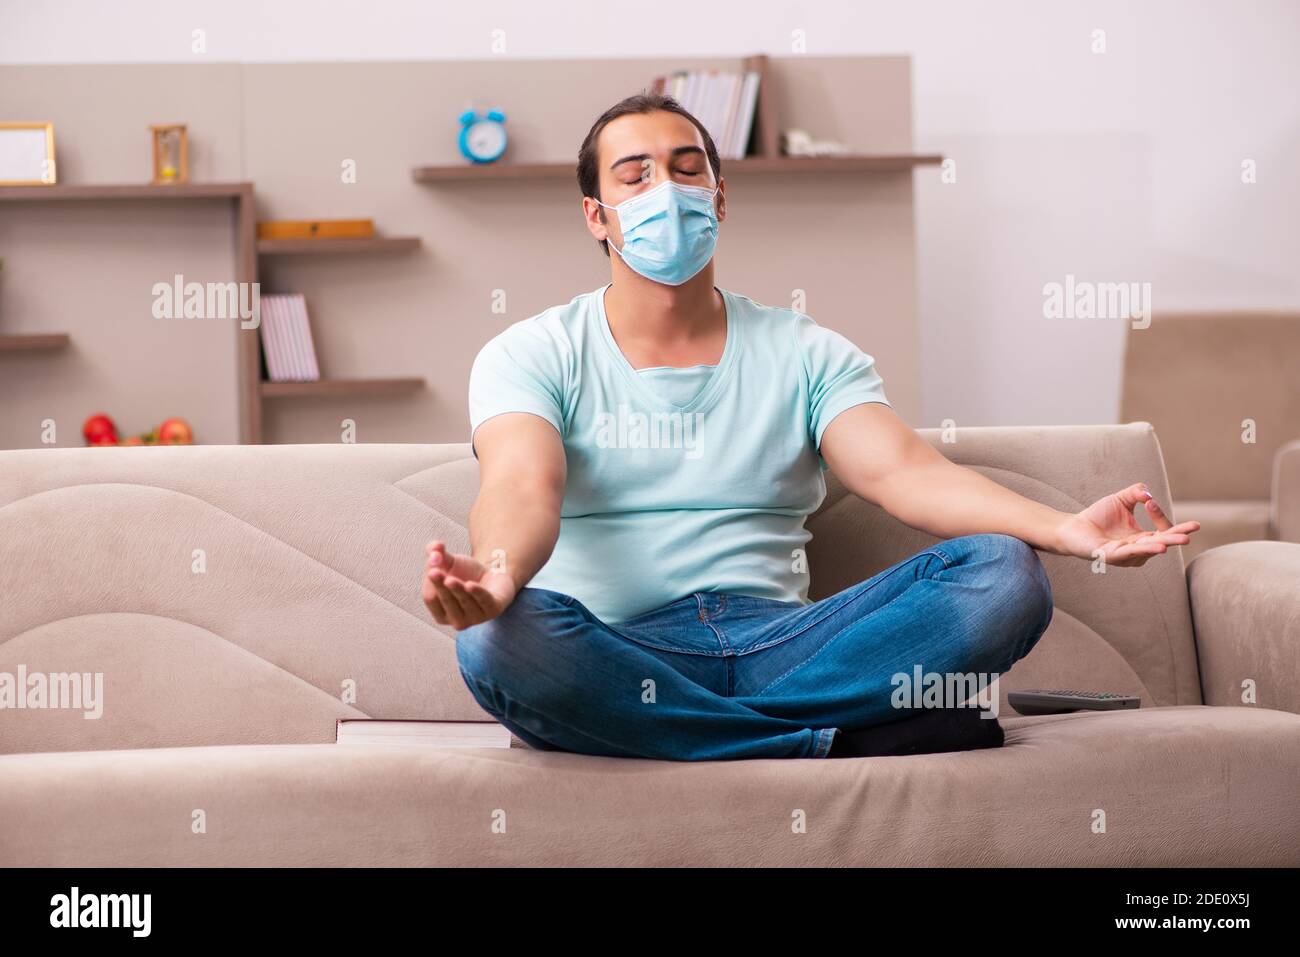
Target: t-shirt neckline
{"x":706,"y":395}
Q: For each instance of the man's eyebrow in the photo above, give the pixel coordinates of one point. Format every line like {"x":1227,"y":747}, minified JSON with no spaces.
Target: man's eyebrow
{"x":642,"y":157}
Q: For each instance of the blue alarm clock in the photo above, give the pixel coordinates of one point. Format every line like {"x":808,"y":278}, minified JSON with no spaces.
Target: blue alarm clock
{"x":482,"y":137}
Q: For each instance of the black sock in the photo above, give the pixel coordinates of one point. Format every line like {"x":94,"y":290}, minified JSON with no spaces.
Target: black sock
{"x":930,"y":731}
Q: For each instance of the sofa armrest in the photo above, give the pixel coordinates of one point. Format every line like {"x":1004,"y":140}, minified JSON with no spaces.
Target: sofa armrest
{"x":1284,"y":510}
{"x":1246,"y":614}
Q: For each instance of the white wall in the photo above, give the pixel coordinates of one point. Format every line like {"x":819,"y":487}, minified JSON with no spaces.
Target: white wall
{"x":1118,"y":166}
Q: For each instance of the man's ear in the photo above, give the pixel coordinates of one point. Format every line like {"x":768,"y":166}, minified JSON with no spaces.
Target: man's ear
{"x":600,"y":217}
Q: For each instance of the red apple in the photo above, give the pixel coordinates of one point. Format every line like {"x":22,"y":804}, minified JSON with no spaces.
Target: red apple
{"x":175,"y":432}
{"x":97,"y":428}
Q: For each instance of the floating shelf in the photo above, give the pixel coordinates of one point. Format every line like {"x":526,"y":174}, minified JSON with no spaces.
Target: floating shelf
{"x":46,"y":342}
{"x":875,"y":163}
{"x":321,"y":247}
{"x":334,"y":387}
{"x":126,"y":191}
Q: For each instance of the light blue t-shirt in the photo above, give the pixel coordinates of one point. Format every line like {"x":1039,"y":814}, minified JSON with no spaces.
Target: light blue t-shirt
{"x":679,"y":480}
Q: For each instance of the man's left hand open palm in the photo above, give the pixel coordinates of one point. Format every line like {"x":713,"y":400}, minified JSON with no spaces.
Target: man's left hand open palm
{"x":1108,"y":526}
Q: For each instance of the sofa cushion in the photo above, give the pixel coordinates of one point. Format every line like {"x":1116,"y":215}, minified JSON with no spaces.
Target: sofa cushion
{"x":1246,"y":605}
{"x":1222,"y":781}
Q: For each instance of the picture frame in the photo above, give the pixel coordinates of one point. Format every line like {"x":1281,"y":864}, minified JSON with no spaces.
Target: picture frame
{"x":27,"y":154}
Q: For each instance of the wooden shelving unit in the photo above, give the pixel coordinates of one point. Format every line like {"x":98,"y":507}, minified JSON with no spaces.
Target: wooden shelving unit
{"x":43,"y":342}
{"x":240,"y":197}
{"x":341,"y":387}
{"x":332,"y":247}
{"x":763,"y":159}
{"x":336,"y":388}
{"x":252,"y":389}
{"x":883,"y":163}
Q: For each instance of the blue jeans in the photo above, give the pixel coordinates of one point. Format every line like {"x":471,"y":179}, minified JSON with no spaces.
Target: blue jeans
{"x":716,"y":676}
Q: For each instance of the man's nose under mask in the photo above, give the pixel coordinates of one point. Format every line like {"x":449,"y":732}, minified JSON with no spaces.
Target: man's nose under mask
{"x":669,"y":232}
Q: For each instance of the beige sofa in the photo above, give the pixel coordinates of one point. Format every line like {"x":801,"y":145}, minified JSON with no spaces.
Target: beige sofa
{"x":231,"y":596}
{"x":1223,"y":392}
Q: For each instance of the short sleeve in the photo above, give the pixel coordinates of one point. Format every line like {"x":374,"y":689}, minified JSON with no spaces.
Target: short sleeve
{"x":840,"y":375}
{"x":520,"y":370}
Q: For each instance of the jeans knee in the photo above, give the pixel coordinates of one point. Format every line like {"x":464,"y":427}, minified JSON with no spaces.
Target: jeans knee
{"x":1032,"y":591}
{"x":509,"y":645}
{"x":1024,"y":591}
{"x":473,"y":645}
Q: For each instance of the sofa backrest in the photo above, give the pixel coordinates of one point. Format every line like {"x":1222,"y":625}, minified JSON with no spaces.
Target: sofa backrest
{"x":254,"y":594}
{"x":228,"y":594}
{"x":1197,"y":377}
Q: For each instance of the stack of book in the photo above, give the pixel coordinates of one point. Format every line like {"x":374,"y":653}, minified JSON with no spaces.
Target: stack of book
{"x":286,"y":339}
{"x":723,"y":102}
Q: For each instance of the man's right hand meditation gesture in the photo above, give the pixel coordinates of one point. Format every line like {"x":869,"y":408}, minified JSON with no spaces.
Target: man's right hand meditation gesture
{"x":514,"y":523}
{"x":462,"y":591}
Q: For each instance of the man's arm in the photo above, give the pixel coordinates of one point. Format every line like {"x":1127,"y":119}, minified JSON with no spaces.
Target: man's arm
{"x":880,"y":458}
{"x":513,"y":524}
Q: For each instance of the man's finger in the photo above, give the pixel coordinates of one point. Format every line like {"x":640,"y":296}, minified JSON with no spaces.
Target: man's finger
{"x":1158,"y":517}
{"x":438,"y":577}
{"x":1171,"y":538}
{"x":465,"y":605}
{"x":429,"y":593}
{"x":1132,"y":496}
{"x":486,"y":601}
{"x":1133,"y":549}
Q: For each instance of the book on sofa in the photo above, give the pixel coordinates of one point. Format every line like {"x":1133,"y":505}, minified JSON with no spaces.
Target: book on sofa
{"x":442,"y":734}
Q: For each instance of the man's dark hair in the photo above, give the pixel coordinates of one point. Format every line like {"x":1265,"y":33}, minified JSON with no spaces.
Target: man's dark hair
{"x":589,"y":173}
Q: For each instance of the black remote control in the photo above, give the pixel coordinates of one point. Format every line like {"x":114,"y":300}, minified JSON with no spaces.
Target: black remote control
{"x":1057,"y":701}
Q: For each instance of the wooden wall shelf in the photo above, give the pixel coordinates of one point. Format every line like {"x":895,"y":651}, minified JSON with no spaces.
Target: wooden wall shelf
{"x":341,"y":387}
{"x":125,"y":191}
{"x":44,"y":342}
{"x":876,"y":163}
{"x":325,"y":247}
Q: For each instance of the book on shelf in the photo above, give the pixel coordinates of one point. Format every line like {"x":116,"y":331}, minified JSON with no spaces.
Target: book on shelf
{"x":430,"y":733}
{"x":286,"y":339}
{"x":723,"y":102}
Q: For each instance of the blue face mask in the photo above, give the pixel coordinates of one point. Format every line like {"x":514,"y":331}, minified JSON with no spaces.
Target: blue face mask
{"x":668,"y":232}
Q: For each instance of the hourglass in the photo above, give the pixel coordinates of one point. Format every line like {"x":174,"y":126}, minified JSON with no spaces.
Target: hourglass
{"x":171,"y":154}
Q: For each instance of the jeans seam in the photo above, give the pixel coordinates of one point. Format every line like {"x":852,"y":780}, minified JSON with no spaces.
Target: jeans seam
{"x":674,"y":649}
{"x":829,"y":734}
{"x":844,"y":604}
{"x":942,"y":556}
{"x":829,"y":641}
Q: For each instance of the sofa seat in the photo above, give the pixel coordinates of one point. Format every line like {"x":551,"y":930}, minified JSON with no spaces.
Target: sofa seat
{"x":1179,"y":786}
